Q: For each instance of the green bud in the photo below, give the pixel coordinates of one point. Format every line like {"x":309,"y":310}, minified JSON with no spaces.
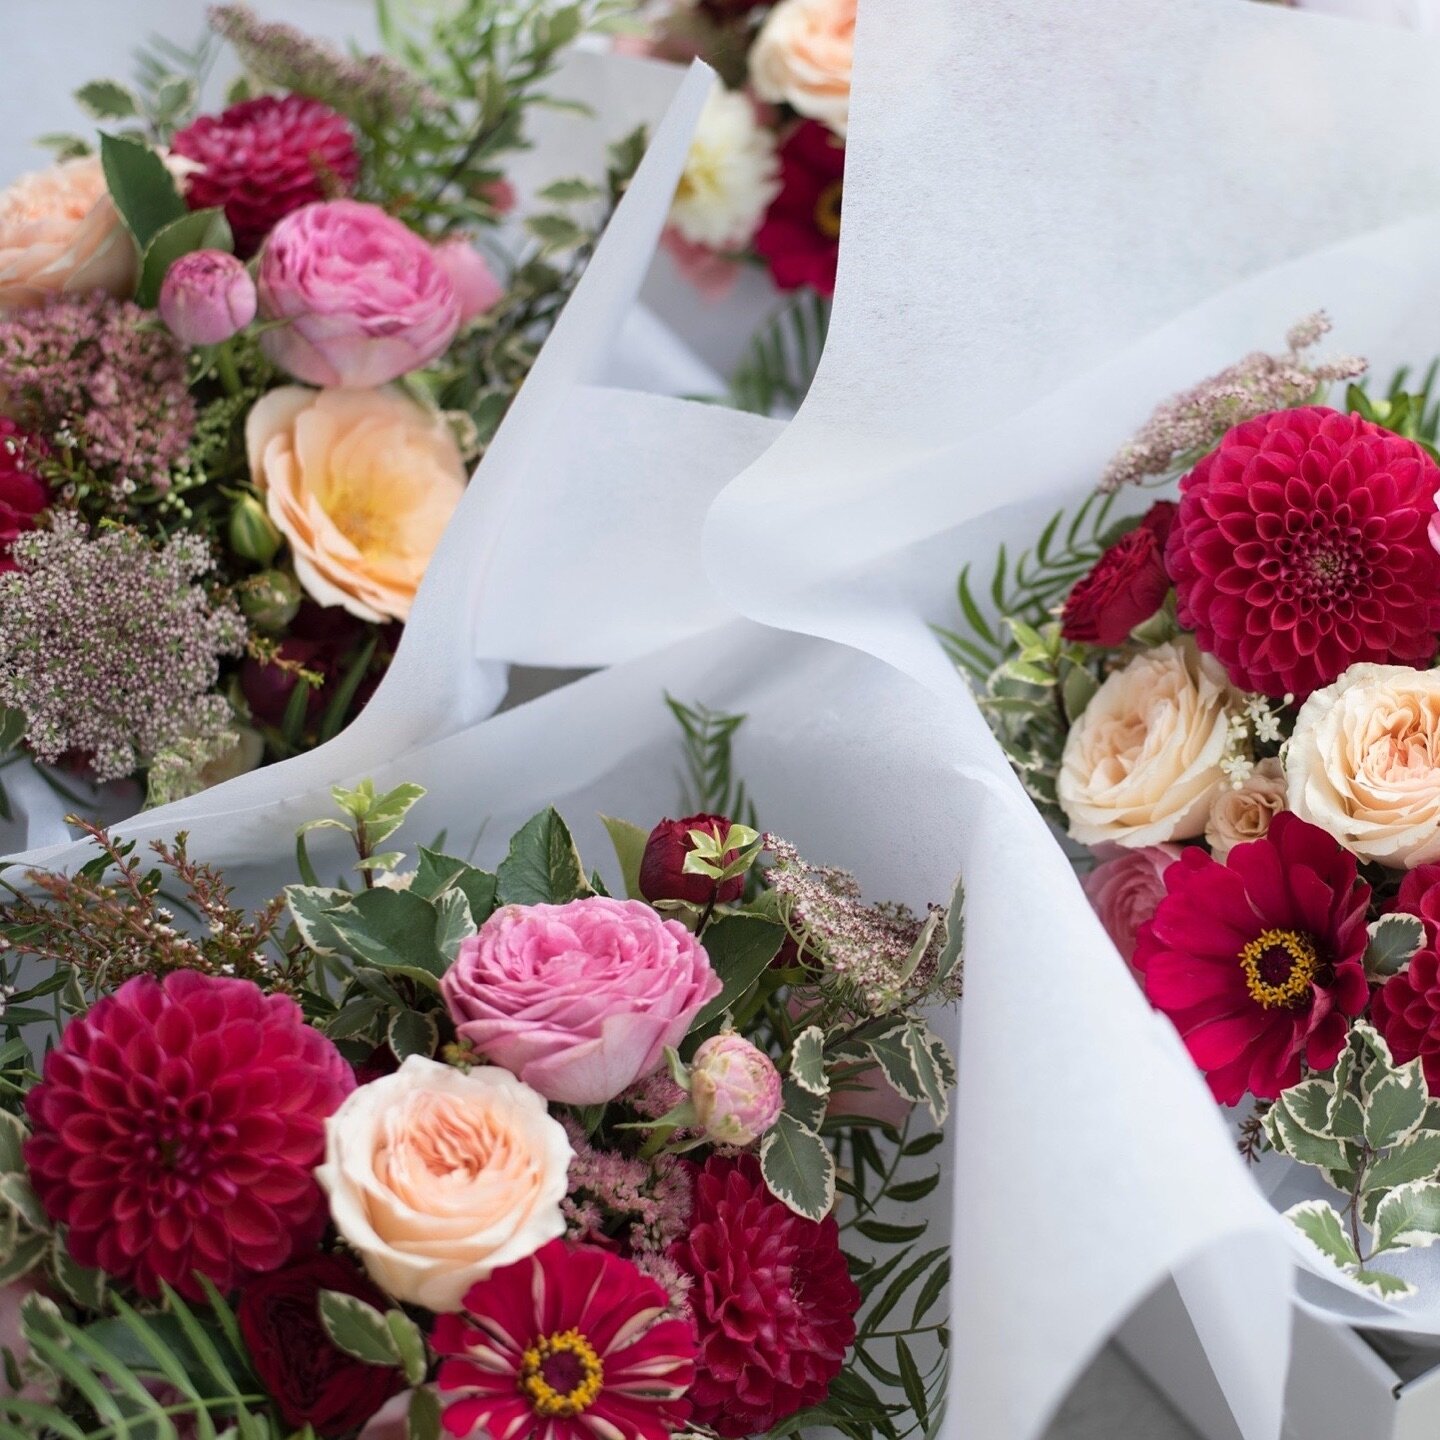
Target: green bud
{"x":270,"y":600}
{"x":252,"y":533}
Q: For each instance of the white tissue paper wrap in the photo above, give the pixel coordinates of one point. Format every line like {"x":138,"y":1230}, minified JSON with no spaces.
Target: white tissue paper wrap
{"x":1056,"y":216}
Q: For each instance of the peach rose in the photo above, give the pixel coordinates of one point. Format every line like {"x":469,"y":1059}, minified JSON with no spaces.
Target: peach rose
{"x":1141,"y":766}
{"x":437,"y":1177}
{"x":802,"y":58}
{"x":362,"y":484}
{"x":60,"y":235}
{"x":1364,"y":763}
{"x":1243,"y":812}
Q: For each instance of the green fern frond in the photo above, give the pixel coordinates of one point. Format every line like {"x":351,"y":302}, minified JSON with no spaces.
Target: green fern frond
{"x":709,"y":783}
{"x":776,"y":372}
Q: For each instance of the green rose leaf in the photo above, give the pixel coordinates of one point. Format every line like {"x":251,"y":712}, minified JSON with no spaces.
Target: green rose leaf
{"x":142,"y":188}
{"x":629,"y":842}
{"x":197,"y":230}
{"x":740,"y":948}
{"x":543,"y":866}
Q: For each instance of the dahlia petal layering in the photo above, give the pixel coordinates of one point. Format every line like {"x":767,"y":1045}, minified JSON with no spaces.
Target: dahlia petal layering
{"x":1229,"y":700}
{"x":489,"y":1154}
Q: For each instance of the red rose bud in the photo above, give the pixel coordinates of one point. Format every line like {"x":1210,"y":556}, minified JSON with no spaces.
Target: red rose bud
{"x":662,"y":869}
{"x":1126,"y":587}
{"x":312,"y":1381}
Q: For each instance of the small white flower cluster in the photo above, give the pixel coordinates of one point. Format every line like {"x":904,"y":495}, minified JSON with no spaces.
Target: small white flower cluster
{"x":1257,"y":723}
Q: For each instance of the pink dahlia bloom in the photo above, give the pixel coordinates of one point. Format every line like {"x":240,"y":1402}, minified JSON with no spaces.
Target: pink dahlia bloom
{"x":366,"y":300}
{"x":1126,"y":886}
{"x":1301,"y":548}
{"x":176,"y":1130}
{"x":773,"y":1301}
{"x":566,"y":1345}
{"x":263,"y":158}
{"x":1259,"y":961}
{"x":578,"y":1000}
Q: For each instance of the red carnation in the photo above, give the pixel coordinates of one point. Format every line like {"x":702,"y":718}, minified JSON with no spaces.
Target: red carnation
{"x":23,"y":494}
{"x":1126,"y":587}
{"x":800,"y":235}
{"x":312,"y":1380}
{"x":1406,"y":1009}
{"x":1301,"y":548}
{"x":1259,"y":961}
{"x":662,"y":868}
{"x":773,"y":1301}
{"x":565,"y":1345}
{"x":176,"y":1128}
{"x":263,"y":158}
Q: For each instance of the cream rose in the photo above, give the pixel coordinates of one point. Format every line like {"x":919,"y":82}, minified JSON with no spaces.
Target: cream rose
{"x":803,"y":56}
{"x":438,"y":1177}
{"x":362,"y":484}
{"x":60,"y":234}
{"x":1364,"y":763}
{"x":1142,"y":764}
{"x":1244,"y":812}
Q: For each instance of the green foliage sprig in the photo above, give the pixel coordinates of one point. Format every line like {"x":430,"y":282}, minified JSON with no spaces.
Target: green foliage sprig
{"x":779,"y":367}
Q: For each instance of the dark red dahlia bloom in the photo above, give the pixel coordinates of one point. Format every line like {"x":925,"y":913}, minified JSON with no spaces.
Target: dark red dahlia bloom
{"x":800,"y":235}
{"x":1406,"y":1008}
{"x":24,"y":496}
{"x":662,"y":868}
{"x":176,"y":1128}
{"x":773,"y":1301}
{"x":1259,"y":961}
{"x":565,"y":1345}
{"x":1301,"y":548}
{"x":312,"y":1381}
{"x":1126,"y":587}
{"x":263,"y":158}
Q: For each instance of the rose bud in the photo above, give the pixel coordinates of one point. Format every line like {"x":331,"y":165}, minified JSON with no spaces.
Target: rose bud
{"x":251,"y":532}
{"x":662,"y":868}
{"x":270,"y":600}
{"x":735,"y":1089}
{"x":476,"y":288}
{"x":207,"y":296}
{"x":1127,"y":585}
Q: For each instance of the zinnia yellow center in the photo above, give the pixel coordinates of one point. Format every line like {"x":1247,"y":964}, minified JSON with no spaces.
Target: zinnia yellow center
{"x":827,"y":210}
{"x":561,"y":1375}
{"x":1279,"y":966}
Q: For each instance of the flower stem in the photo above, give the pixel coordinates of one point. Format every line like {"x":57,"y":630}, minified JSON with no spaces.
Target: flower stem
{"x":225,"y":365}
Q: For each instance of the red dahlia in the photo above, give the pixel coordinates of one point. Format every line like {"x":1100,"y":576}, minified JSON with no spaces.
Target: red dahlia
{"x":1259,"y":961}
{"x":23,"y":494}
{"x":800,"y":235}
{"x":773,"y":1301}
{"x":1126,"y":587}
{"x":263,"y":158}
{"x":1301,"y":548}
{"x":176,"y":1129}
{"x":565,"y":1345}
{"x":1406,"y":1008}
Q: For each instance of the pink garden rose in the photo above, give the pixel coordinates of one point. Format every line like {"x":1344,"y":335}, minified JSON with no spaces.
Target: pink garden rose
{"x":476,"y":287}
{"x":578,"y":1000}
{"x":1126,"y":886}
{"x":366,"y":299}
{"x":207,"y":296}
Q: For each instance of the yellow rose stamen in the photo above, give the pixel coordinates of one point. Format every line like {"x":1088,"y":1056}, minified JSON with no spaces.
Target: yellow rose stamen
{"x":1279,"y":967}
{"x":564,"y":1359}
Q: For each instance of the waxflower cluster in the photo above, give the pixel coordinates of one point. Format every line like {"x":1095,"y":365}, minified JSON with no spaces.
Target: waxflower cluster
{"x":1230,"y":700}
{"x":281,"y":331}
{"x":469,"y":1152}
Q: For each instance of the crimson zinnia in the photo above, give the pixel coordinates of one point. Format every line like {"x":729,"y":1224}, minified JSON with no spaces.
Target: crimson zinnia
{"x":800,"y":235}
{"x":565,"y":1345}
{"x":773,"y":1301}
{"x":1301,"y":548}
{"x":1259,"y":961}
{"x":263,"y":158}
{"x":176,"y":1129}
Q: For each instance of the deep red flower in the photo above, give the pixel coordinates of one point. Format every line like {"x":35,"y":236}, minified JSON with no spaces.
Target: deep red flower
{"x":773,"y":1301}
{"x":1406,"y":1008}
{"x":24,"y":496}
{"x":1259,"y":961}
{"x":565,"y":1345}
{"x":176,"y":1128}
{"x":263,"y":158}
{"x":312,"y":1380}
{"x":800,"y":235}
{"x":662,"y":868}
{"x":1301,"y":548}
{"x":1127,"y":585}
